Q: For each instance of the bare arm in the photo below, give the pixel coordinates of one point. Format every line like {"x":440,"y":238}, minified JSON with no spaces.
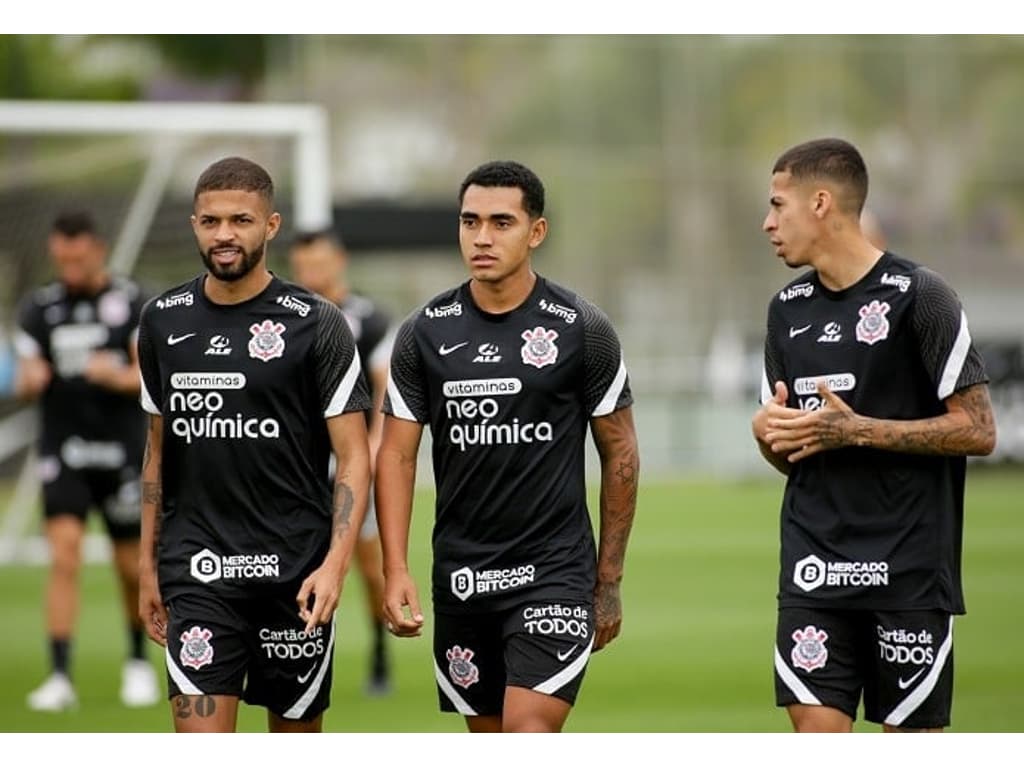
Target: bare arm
{"x":151,"y":607}
{"x":966,"y":429}
{"x":615,"y":438}
{"x":351,"y":491}
{"x":396,"y":476}
{"x":378,"y":386}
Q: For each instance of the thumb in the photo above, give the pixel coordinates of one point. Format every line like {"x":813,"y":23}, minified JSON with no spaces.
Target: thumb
{"x":828,"y":395}
{"x":781,"y":393}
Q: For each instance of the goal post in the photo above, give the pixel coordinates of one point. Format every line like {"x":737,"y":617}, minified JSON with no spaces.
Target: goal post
{"x":163,"y":134}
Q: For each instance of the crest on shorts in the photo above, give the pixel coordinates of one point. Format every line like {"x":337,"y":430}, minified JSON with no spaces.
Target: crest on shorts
{"x":810,"y":652}
{"x":539,"y":349}
{"x":266,"y":342}
{"x":461,"y":668}
{"x":873,"y":325}
{"x":196,"y":649}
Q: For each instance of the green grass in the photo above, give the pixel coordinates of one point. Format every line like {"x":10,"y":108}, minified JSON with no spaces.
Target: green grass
{"x":694,"y":654}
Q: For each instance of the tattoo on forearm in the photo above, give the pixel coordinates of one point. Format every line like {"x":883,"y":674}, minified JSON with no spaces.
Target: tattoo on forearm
{"x":938,"y":437}
{"x":344,"y":500}
{"x":619,"y":485}
{"x":200,"y":706}
{"x":152,"y":493}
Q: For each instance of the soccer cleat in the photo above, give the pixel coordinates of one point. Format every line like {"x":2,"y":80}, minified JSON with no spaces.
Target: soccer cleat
{"x":138,"y":684}
{"x":54,"y":695}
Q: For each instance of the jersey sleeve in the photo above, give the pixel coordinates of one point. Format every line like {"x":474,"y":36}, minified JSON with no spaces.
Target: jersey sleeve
{"x":773,"y":369}
{"x":940,"y":324}
{"x":606,"y":381}
{"x":151,"y":391}
{"x":406,"y":397}
{"x":378,"y":338}
{"x":338,"y":373}
{"x":30,"y":333}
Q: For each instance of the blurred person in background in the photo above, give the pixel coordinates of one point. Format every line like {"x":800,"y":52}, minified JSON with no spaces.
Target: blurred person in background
{"x":250,"y":383}
{"x":509,"y":369}
{"x":319,"y":262}
{"x":872,"y":398}
{"x":76,"y":354}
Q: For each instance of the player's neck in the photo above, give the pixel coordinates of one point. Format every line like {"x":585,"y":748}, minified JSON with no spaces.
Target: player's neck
{"x":236,"y":291}
{"x":500,"y":296}
{"x":845,"y":263}
{"x":93,"y":286}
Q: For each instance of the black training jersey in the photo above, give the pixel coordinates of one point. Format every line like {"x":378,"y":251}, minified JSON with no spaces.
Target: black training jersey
{"x":369,"y":324}
{"x":862,"y":527}
{"x":508,"y":399}
{"x":244,"y":391}
{"x":89,"y":426}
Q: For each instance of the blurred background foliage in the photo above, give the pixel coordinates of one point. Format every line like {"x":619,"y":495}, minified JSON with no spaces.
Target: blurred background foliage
{"x":656,"y":151}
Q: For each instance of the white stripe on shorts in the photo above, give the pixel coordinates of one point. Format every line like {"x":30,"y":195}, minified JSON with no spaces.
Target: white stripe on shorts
{"x":178,"y":675}
{"x":906,"y":707}
{"x":555,"y":682}
{"x":298,"y":709}
{"x":801,"y":691}
{"x":461,"y":705}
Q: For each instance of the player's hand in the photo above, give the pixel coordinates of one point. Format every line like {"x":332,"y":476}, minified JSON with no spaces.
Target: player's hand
{"x":323,"y":588}
{"x":152,"y":610}
{"x":607,"y":613}
{"x":773,"y":409}
{"x":402,"y":606}
{"x":806,"y":433}
{"x":32,"y":376}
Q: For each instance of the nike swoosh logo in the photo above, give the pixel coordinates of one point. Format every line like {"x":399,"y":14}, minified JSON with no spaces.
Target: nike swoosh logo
{"x":904,"y":684}
{"x":444,"y":350}
{"x":172,"y":339}
{"x":563,"y":656}
{"x":305,"y":677}
{"x":797,"y":331}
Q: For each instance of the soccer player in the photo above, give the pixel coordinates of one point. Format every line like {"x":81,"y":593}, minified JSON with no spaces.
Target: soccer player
{"x":509,"y":369}
{"x":250,"y":382}
{"x":873,"y":396}
{"x":76,"y":348}
{"x":319,"y":262}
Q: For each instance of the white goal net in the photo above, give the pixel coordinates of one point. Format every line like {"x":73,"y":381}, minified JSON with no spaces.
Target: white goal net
{"x":134,"y":166}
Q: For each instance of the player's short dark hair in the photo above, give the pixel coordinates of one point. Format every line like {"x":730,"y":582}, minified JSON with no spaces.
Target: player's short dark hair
{"x":74,"y":224}
{"x":507,"y":173}
{"x":236,"y":173}
{"x":309,"y":236}
{"x":832,"y":159}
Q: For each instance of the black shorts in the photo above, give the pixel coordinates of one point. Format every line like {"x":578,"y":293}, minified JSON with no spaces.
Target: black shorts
{"x":538,"y":645}
{"x":901,"y":661}
{"x":114,"y":492}
{"x":253,"y":648}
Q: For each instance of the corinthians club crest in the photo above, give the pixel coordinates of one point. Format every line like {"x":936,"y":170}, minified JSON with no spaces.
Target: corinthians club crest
{"x":539,"y":349}
{"x":873,"y":325}
{"x":266,"y":342}
{"x":810,"y":652}
{"x":461,"y":668}
{"x":196,"y":649}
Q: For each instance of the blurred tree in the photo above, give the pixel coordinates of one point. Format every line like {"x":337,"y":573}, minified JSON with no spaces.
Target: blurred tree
{"x":49,"y":67}
{"x":240,"y":58}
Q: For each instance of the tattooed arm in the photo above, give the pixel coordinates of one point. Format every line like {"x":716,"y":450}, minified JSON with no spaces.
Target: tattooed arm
{"x":319,"y":594}
{"x":615,"y":438}
{"x":966,"y":429}
{"x":151,"y":605}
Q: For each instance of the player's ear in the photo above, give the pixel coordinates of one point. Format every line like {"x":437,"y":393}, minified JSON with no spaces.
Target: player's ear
{"x":273,"y":225}
{"x":822,"y":202}
{"x":538,"y":231}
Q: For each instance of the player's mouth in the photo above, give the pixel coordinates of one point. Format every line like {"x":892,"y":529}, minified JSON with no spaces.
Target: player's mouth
{"x":225,"y":255}
{"x":483,"y":260}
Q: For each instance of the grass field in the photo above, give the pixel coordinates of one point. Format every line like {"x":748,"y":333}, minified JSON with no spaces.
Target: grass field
{"x":694,"y":654}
